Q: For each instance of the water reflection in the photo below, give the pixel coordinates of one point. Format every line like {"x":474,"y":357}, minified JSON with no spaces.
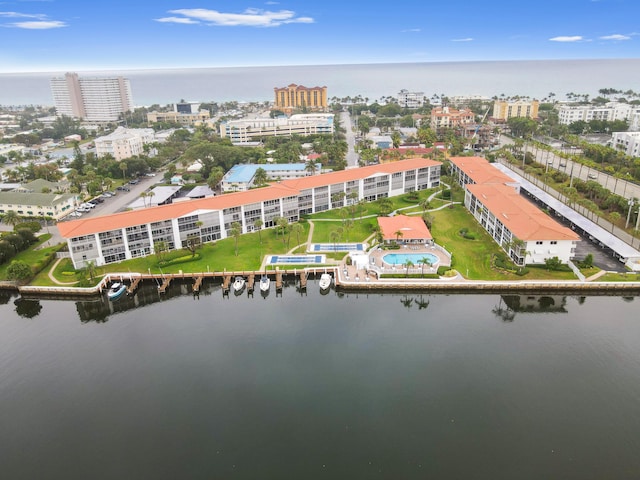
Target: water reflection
{"x":27,"y":308}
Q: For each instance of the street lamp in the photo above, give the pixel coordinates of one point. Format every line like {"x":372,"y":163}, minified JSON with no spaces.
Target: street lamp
{"x":630,"y":202}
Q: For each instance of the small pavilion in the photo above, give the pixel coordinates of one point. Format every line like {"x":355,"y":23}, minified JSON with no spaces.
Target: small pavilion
{"x":404,"y":230}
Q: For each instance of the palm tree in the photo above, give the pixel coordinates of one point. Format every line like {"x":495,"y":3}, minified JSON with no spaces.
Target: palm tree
{"x":257,"y":224}
{"x":425,"y":205}
{"x":310,"y":166}
{"x":260,"y":177}
{"x":297,"y":228}
{"x":425,"y":261}
{"x":144,"y":196}
{"x":235,"y":231}
{"x":399,"y":235}
{"x":123,"y":167}
{"x":408,"y":264}
{"x":334,"y":235}
{"x":150,"y":195}
{"x":11,"y":218}
{"x":283,"y":225}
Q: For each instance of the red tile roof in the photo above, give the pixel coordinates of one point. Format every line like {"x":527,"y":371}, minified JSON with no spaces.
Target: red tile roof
{"x":358,"y":173}
{"x":131,"y":218}
{"x":480,"y":170}
{"x":412,"y":228}
{"x":520,"y":216}
{"x":282,"y":189}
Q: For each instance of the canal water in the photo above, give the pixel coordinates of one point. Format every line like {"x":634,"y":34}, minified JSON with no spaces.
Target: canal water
{"x":304,"y":385}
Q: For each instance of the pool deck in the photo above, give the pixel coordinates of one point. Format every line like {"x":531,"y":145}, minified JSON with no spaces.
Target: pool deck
{"x":375,"y":257}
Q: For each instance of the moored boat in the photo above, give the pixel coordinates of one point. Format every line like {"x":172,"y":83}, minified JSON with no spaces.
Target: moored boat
{"x":116,"y":290}
{"x":238,"y":284}
{"x":265,"y":284}
{"x":325,"y":282}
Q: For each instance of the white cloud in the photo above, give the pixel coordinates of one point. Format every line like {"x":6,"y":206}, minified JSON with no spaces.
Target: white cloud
{"x":38,"y":25}
{"x":468,"y":39}
{"x":615,"y":36}
{"x":183,"y":20}
{"x":565,"y":38}
{"x":411,"y":30}
{"x":21,"y":15}
{"x":251,"y":17}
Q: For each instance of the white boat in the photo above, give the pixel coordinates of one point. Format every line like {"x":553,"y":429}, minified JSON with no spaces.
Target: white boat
{"x":116,"y":290}
{"x":265,"y":283}
{"x":325,"y":281}
{"x":238,"y":284}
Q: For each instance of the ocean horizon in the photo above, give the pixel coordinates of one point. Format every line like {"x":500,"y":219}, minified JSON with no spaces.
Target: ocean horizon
{"x":533,"y":78}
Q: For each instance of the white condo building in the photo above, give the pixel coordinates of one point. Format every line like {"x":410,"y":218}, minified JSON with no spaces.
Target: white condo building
{"x":628,"y":142}
{"x":408,"y":99}
{"x":568,"y":114}
{"x":95,"y":99}
{"x":246,"y":130}
{"x":124,"y":142}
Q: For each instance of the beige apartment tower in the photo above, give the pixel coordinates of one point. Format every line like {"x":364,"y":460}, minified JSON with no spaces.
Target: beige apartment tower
{"x":94,"y":99}
{"x":504,"y":110}
{"x":295,"y":97}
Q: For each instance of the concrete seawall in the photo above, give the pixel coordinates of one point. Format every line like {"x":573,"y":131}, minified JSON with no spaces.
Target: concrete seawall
{"x":454,"y":285}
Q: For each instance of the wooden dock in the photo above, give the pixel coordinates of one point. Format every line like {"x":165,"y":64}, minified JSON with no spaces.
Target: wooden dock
{"x":251,"y":282}
{"x":197,"y":284}
{"x":166,"y":281}
{"x":303,"y":279}
{"x":226,"y":283}
{"x":134,"y":285}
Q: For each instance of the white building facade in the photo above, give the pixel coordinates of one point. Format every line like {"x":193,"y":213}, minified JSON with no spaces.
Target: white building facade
{"x":95,"y":99}
{"x":408,"y":99}
{"x":627,"y":142}
{"x":124,"y":142}
{"x":136,"y":233}
{"x":246,"y":130}
{"x":568,"y":114}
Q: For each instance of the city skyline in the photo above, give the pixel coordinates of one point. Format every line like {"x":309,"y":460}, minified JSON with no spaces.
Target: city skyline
{"x":54,"y":36}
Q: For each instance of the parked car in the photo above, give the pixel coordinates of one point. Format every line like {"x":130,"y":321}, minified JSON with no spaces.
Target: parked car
{"x":151,"y":174}
{"x":123,"y":188}
{"x":562,"y":164}
{"x":592,"y":176}
{"x":75,"y":214}
{"x":135,"y":181}
{"x":107,"y":195}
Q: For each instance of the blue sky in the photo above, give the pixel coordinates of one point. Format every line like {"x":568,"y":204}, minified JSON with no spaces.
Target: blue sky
{"x":64,"y":35}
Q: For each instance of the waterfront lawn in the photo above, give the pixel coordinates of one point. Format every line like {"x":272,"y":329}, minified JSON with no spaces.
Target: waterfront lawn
{"x":32,"y":256}
{"x":214,"y":257}
{"x":620,"y":277}
{"x":361,"y":230}
{"x":472,"y":258}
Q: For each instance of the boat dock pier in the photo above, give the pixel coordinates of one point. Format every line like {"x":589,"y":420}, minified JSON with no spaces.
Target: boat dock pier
{"x":197,"y":284}
{"x":226,"y":283}
{"x":166,"y":281}
{"x":303,"y":279}
{"x":131,"y":289}
{"x":278,"y":280}
{"x":251,"y":282}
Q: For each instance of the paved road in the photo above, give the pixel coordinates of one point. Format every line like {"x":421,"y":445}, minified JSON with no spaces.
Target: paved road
{"x":619,"y":186}
{"x":352,"y":157}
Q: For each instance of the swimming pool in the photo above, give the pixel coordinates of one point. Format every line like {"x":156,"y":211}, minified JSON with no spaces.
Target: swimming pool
{"x":337,"y":247}
{"x":296,"y":259}
{"x":416,"y":258}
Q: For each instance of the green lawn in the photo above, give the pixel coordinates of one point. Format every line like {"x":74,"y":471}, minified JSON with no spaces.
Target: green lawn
{"x":359,"y":232}
{"x":472,"y":258}
{"x":31,"y":256}
{"x":620,"y":277}
{"x":212,"y":257}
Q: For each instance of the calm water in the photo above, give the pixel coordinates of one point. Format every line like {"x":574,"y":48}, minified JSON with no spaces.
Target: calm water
{"x":534,"y":78}
{"x":320,"y":387}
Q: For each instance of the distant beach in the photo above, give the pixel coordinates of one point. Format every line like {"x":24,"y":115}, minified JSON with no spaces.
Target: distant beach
{"x":373,"y":81}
